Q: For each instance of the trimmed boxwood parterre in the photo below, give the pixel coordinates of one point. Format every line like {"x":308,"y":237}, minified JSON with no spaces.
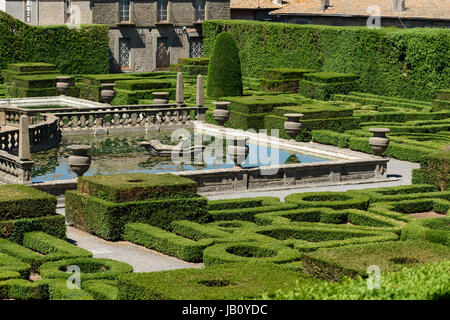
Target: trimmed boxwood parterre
{"x":426,"y":282}
{"x":353,"y":260}
{"x":435,"y":230}
{"x":14,"y":230}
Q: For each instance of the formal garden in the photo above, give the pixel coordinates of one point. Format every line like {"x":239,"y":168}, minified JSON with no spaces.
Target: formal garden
{"x":338,"y":82}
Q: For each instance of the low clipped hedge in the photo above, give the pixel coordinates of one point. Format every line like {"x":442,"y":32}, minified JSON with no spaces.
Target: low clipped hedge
{"x":400,"y":209}
{"x":241,"y":203}
{"x":334,"y":200}
{"x":247,"y":214}
{"x":9,"y":263}
{"x":91,"y":269}
{"x":220,"y":282}
{"x":57,"y":290}
{"x":52,"y":248}
{"x":20,"y":201}
{"x":416,"y":283}
{"x":137,"y":186}
{"x":20,"y":289}
{"x":14,"y":230}
{"x":144,"y":84}
{"x":107,"y":219}
{"x":432,"y":229}
{"x":353,"y":260}
{"x":197,"y":231}
{"x":166,"y":242}
{"x":407,"y":192}
{"x":435,"y":169}
{"x":101,"y":289}
{"x":273,"y":252}
{"x":324,"y":90}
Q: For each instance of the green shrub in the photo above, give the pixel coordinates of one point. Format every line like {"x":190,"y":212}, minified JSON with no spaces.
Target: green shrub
{"x":101,"y":289}
{"x":194,"y":61}
{"x":247,"y":214}
{"x":73,"y":50}
{"x":52,"y":248}
{"x":330,"y":77}
{"x":397,"y":193}
{"x":220,"y":282}
{"x":416,"y":283}
{"x":432,"y":229}
{"x":14,"y":230}
{"x":224,"y":204}
{"x":107,"y":219}
{"x":20,"y":201}
{"x":324,"y":90}
{"x":440,"y":105}
{"x":57,"y":290}
{"x":335,"y":200}
{"x":144,"y":84}
{"x":194,"y":69}
{"x":19,"y":289}
{"x":224,"y":72}
{"x":333,"y":264}
{"x":9,"y":263}
{"x":91,"y":269}
{"x":137,"y":186}
{"x":6,"y":275}
{"x":409,"y":63}
{"x":436,"y":169}
{"x":163,"y":241}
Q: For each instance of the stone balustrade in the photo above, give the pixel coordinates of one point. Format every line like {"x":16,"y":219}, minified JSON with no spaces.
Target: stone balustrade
{"x":14,"y":170}
{"x":131,"y":118}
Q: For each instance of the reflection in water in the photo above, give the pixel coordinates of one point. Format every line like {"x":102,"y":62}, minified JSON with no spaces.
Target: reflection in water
{"x":121,"y":153}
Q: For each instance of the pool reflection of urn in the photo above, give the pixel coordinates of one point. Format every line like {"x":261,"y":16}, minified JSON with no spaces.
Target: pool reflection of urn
{"x":379,"y":142}
{"x":238,"y":151}
{"x":79,"y":161}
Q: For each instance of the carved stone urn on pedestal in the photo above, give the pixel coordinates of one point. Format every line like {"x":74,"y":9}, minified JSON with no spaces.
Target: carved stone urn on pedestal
{"x":379,"y":142}
{"x":221,"y":113}
{"x":108,"y":94}
{"x":238,"y":151}
{"x":79,"y":161}
{"x":160,"y":97}
{"x":63,"y":84}
{"x":292,"y":126}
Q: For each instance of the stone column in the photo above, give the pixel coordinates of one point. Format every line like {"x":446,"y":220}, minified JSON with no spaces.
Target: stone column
{"x":24,"y":138}
{"x":180,"y":89}
{"x":200,"y":96}
{"x":2,"y":117}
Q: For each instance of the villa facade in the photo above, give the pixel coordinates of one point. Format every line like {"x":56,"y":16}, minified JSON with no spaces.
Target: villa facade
{"x":145,"y":35}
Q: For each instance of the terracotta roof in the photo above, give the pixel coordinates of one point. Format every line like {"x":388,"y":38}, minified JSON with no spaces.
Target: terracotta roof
{"x":431,"y":9}
{"x":254,"y":4}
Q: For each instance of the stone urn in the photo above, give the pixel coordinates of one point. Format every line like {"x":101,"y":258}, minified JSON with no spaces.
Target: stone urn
{"x":79,"y":161}
{"x":238,"y":151}
{"x":221,"y":113}
{"x":108,"y":94}
{"x":160,"y":97}
{"x":379,"y":142}
{"x":63,"y":84}
{"x":292,"y":126}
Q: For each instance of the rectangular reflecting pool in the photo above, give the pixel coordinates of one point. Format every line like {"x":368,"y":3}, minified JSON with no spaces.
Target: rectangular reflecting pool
{"x":121,"y":153}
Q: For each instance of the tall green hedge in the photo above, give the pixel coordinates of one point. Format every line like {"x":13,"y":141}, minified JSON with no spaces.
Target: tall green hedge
{"x":410,"y":63}
{"x":73,"y":51}
{"x":224,"y":71}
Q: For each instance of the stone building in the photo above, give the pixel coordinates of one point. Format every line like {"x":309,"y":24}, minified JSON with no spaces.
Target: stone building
{"x":392,"y":13}
{"x":145,"y":35}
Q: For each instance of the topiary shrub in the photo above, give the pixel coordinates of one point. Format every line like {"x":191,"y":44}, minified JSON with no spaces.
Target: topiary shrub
{"x":224,"y":72}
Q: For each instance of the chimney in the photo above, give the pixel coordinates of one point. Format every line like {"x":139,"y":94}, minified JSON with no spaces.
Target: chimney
{"x":398,"y":5}
{"x":325,"y":4}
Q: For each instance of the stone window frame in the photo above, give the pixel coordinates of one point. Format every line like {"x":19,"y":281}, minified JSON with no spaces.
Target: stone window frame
{"x":205,"y":12}
{"x":130,"y":13}
{"x":160,"y":15}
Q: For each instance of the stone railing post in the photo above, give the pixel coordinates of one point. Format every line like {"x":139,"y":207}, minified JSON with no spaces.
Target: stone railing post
{"x":24,"y":138}
{"x":179,"y":90}
{"x":2,"y":117}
